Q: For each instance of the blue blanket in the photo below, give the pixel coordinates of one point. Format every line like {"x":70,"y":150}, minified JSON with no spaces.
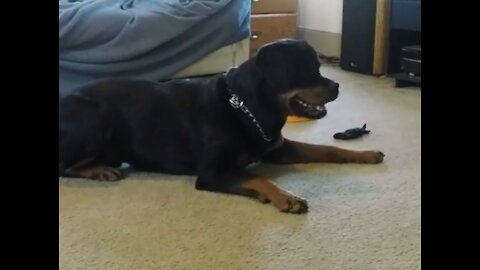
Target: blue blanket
{"x":149,"y":39}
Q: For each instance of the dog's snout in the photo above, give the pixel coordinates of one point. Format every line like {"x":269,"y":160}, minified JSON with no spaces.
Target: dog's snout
{"x":334,"y":85}
{"x":333,"y":91}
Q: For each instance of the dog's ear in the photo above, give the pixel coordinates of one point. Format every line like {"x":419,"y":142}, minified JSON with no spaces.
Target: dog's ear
{"x":268,"y":57}
{"x":270,"y":61}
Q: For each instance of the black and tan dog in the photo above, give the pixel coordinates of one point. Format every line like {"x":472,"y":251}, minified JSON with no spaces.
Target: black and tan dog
{"x":209,"y":127}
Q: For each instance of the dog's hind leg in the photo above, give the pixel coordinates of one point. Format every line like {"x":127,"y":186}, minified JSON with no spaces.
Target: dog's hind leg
{"x":83,"y":142}
{"x":90,"y":168}
{"x":87,"y":169}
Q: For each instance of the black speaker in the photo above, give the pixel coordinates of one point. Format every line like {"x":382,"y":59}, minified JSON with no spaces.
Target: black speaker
{"x":411,"y":61}
{"x":364,"y":29}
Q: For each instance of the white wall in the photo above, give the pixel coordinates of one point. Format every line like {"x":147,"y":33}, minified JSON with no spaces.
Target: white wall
{"x":321,"y":15}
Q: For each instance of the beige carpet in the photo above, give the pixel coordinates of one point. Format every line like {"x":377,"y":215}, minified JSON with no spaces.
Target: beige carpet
{"x":361,"y":217}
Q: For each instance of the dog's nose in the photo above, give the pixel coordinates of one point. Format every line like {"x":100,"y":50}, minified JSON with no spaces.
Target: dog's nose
{"x":333,"y":85}
{"x":333,"y":91}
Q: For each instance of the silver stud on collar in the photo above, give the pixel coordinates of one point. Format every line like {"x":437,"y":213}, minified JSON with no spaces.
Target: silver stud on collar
{"x":236,"y":103}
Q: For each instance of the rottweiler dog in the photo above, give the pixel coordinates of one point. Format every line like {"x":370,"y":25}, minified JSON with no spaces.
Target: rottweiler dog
{"x":210,"y":127}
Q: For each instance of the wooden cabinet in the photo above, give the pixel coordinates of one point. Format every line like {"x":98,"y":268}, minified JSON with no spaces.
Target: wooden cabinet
{"x":272,"y":20}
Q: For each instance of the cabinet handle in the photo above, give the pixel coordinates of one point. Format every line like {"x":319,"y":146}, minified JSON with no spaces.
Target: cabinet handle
{"x":255,"y":34}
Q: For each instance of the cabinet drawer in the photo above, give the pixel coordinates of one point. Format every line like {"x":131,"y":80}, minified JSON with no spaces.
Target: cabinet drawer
{"x":274,"y":6}
{"x":270,"y":27}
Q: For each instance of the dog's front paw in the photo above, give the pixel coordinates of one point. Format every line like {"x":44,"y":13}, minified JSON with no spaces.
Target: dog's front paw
{"x":371,"y":157}
{"x":290,"y":204}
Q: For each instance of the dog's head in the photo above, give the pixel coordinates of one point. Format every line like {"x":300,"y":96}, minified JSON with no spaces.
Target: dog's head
{"x":290,"y":69}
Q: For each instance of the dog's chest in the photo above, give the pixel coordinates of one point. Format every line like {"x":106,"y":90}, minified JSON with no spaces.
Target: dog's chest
{"x":246,"y":158}
{"x":277,"y":143}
